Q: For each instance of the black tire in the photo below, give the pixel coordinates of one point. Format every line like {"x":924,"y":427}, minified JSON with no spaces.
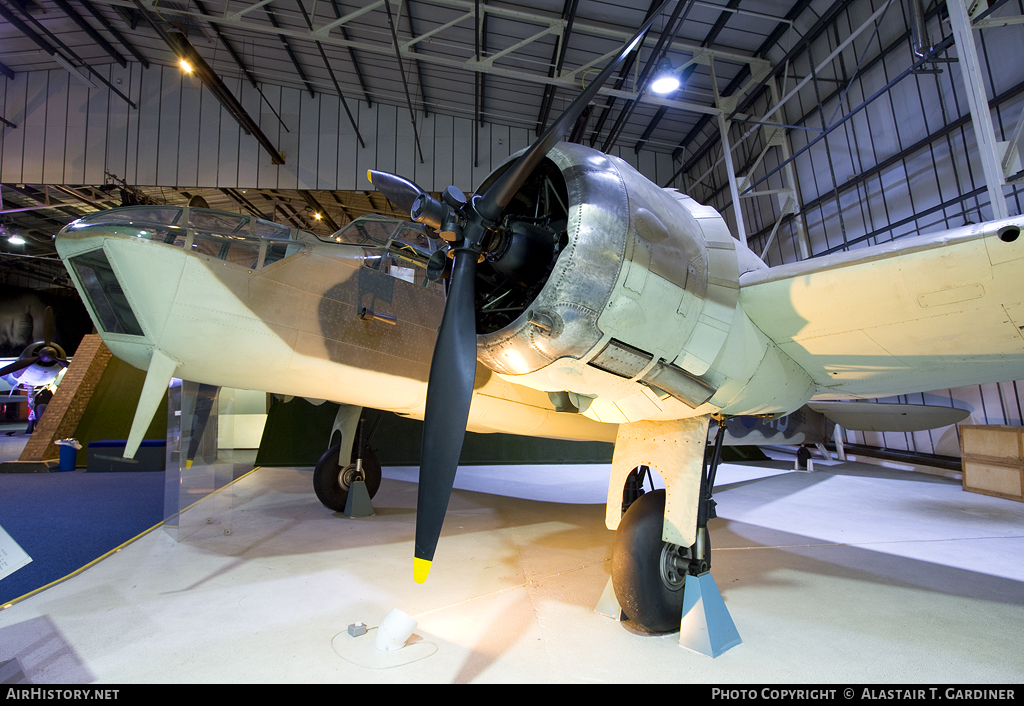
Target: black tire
{"x":647,"y":585}
{"x":331,"y":483}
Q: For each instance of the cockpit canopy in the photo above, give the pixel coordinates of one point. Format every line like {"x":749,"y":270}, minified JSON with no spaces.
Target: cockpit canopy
{"x":243,"y":240}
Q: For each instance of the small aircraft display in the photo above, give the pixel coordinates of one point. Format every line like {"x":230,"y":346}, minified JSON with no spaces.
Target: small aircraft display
{"x":40,"y":363}
{"x":568,"y":297}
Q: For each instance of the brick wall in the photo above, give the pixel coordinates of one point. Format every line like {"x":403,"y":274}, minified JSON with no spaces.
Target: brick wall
{"x":69,"y":401}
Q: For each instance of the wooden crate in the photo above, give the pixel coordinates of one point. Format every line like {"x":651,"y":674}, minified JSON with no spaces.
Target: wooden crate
{"x":993,"y":460}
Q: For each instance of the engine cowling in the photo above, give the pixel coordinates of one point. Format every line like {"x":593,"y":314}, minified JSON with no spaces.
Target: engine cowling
{"x":634,"y":307}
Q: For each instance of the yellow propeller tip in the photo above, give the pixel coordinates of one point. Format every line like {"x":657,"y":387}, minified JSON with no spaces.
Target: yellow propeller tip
{"x":188,"y":464}
{"x":420,"y":569}
{"x":369,"y":175}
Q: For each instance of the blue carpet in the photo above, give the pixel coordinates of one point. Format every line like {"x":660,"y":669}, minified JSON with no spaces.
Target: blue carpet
{"x":66,"y":520}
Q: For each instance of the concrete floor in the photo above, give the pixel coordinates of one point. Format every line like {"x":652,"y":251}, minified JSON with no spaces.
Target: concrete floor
{"x":855,"y":573}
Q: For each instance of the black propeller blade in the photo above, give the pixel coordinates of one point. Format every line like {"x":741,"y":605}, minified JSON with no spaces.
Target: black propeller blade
{"x":453,"y":367}
{"x":18,"y":365}
{"x":399,"y":191}
{"x":449,"y":393}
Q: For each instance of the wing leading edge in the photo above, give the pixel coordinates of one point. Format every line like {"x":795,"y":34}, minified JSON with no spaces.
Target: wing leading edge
{"x":919,"y":314}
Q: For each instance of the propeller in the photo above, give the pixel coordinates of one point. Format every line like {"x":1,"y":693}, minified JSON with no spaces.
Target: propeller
{"x":474,"y":229}
{"x":44,"y":352}
{"x":399,"y":191}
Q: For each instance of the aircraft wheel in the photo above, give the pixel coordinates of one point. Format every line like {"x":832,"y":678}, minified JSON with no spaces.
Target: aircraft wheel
{"x":331,"y":482}
{"x":648,"y":574}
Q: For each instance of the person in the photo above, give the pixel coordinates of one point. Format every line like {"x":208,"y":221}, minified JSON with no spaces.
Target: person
{"x":43,"y":398}
{"x":31,"y":410}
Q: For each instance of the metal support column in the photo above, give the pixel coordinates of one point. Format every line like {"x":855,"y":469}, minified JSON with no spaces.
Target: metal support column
{"x":726,"y":106}
{"x":974,"y":84}
{"x":789,"y":177}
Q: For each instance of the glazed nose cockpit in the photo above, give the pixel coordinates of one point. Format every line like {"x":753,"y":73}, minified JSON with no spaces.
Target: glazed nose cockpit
{"x":235,"y":239}
{"x":103,"y":249}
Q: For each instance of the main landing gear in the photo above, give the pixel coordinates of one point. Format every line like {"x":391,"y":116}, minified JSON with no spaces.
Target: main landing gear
{"x":332,"y":480}
{"x":663,"y":587}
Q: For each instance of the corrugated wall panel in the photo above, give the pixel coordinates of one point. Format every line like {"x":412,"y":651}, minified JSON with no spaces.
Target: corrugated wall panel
{"x":54,"y":153}
{"x":348,"y":147}
{"x":190,"y":134}
{"x":364,"y":157}
{"x":147,"y":136}
{"x":288,"y":142}
{"x":180,"y":136}
{"x":243,"y":172}
{"x":171,"y":143}
{"x":34,"y":127}
{"x":266,"y":172}
{"x":388,"y":117}
{"x":12,"y":139}
{"x":308,"y":151}
{"x":444,"y":153}
{"x":97,"y":107}
{"x":77,"y":133}
{"x":406,"y":154}
{"x":209,"y":116}
{"x":462,"y":154}
{"x":327,"y":144}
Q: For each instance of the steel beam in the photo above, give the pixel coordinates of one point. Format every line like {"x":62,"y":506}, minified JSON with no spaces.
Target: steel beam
{"x":66,"y":8}
{"x":568,"y":80}
{"x":557,"y":59}
{"x":51,"y":50}
{"x":288,"y":49}
{"x":981,"y":117}
{"x":334,"y":80}
{"x":405,"y":82}
{"x":181,"y":47}
{"x":238,"y":60}
{"x":351,"y":52}
{"x":678,"y":16}
{"x":118,"y":37}
{"x":317,"y":208}
{"x":711,"y":36}
{"x":924,"y":142}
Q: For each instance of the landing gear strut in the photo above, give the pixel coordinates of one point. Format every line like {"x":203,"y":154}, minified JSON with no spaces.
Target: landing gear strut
{"x":662,"y":587}
{"x":332,"y":480}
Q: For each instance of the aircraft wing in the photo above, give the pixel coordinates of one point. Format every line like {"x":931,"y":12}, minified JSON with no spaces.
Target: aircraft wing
{"x":920,"y":314}
{"x":873,"y":416}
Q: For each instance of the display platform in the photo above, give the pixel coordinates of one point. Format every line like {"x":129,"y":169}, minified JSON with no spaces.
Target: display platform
{"x":854,"y":573}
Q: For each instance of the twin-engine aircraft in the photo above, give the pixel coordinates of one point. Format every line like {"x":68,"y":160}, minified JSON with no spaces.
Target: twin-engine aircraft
{"x":581,"y":302}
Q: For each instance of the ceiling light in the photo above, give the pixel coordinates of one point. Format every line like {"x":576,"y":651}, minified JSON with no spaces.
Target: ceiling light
{"x":665,"y":78}
{"x":16,"y":240}
{"x":185,"y":66}
{"x":73,"y":71}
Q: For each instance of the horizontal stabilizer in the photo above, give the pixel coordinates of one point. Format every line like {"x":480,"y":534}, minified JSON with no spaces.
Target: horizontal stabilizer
{"x":873,"y":416}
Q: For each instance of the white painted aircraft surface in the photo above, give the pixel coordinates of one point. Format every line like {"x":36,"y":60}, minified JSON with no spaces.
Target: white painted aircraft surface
{"x":584,"y":302}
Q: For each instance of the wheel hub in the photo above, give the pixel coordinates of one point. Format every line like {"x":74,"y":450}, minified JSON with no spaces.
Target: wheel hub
{"x":673,"y":566}
{"x":346,"y":475}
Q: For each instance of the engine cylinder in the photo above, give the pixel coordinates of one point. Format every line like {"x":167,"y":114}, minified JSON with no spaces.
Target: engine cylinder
{"x":583,"y":277}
